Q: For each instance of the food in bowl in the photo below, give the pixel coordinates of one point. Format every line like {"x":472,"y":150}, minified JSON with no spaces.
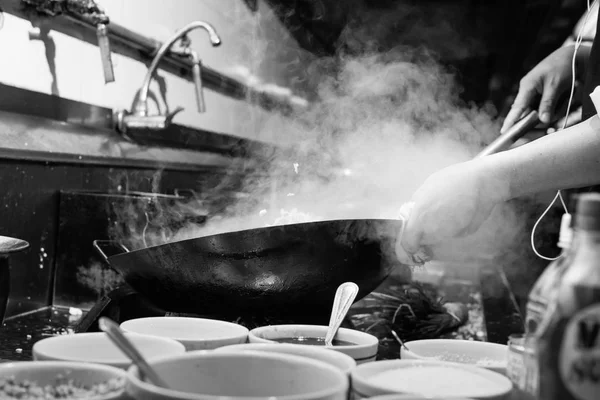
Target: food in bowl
{"x":33,"y":380}
{"x":362,"y":346}
{"x":492,"y":356}
{"x":315,"y":341}
{"x":62,"y":388}
{"x":429,"y":378}
{"x":413,"y":397}
{"x":433,"y":381}
{"x":465,"y":359}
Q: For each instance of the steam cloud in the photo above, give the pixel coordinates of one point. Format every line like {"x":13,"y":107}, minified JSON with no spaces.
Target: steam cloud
{"x":384,"y":122}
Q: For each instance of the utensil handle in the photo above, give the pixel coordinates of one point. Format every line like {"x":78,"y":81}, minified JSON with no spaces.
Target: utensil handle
{"x":344,"y":297}
{"x":98,"y":244}
{"x":119,"y":339}
{"x":517,"y":131}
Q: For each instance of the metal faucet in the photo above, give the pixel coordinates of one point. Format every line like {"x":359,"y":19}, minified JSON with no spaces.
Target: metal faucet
{"x":139,"y":117}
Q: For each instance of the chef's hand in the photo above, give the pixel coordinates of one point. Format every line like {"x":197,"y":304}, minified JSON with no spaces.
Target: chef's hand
{"x":575,"y":117}
{"x":551,"y":78}
{"x":452,"y":203}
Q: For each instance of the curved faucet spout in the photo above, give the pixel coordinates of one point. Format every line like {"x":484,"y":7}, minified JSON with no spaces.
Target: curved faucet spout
{"x":141,"y":105}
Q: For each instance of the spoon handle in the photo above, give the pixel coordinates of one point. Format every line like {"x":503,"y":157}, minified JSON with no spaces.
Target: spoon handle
{"x":344,"y":297}
{"x":115,"y":333}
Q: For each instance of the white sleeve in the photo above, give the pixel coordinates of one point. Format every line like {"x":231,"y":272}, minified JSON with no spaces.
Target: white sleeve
{"x":595,"y":96}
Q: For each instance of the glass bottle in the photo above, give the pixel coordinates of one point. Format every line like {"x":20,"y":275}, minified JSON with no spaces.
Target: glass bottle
{"x":548,"y":281}
{"x":567,"y":340}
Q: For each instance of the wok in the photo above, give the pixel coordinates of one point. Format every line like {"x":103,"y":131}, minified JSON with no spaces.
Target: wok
{"x":290,"y":269}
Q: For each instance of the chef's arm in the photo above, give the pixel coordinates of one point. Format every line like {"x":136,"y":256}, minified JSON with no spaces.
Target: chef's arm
{"x":566,"y":159}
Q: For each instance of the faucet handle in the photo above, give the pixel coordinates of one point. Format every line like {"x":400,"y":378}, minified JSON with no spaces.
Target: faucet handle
{"x":196,"y":72}
{"x":105,"y":53}
{"x":197,"y":75}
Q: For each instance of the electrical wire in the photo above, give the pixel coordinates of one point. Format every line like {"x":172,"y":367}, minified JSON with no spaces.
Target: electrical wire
{"x":558,"y":195}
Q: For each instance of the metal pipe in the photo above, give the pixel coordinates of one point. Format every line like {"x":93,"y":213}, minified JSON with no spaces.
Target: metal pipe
{"x":143,"y":48}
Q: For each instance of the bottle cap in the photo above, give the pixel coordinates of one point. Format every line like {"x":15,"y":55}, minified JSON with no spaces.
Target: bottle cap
{"x":566,"y":233}
{"x":588,"y":212}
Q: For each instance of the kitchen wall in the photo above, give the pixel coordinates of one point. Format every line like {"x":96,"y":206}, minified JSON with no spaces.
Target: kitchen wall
{"x":255,"y":42}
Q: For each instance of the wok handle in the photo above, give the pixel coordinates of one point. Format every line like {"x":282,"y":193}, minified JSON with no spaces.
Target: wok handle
{"x":516,"y":132}
{"x":98,"y":244}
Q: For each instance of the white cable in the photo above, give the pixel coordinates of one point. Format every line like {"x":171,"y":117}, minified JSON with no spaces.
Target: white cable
{"x":578,"y":42}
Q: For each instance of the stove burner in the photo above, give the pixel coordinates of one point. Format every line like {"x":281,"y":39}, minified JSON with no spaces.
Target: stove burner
{"x":124,"y":303}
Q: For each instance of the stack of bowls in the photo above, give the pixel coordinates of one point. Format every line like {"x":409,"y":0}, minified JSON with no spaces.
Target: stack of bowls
{"x":207,"y":359}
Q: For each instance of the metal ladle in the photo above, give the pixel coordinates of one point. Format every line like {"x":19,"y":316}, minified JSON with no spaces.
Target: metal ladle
{"x":344,"y":297}
{"x":115,"y":333}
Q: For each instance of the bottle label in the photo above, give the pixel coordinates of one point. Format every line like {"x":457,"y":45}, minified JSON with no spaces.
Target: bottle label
{"x":579,"y":357}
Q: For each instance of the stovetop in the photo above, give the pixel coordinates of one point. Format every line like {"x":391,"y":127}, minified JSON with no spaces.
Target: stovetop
{"x":492,"y":316}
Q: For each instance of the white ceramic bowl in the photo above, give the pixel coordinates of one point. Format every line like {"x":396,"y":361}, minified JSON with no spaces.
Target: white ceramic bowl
{"x":212,"y":375}
{"x":413,"y":397}
{"x":364,"y":350}
{"x":429,"y":378}
{"x":44,"y":373}
{"x":342,"y":361}
{"x":193,"y":333}
{"x":492,"y":356}
{"x":96,"y":347}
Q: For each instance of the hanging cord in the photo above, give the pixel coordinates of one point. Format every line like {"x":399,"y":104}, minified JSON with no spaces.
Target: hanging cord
{"x":577,"y":44}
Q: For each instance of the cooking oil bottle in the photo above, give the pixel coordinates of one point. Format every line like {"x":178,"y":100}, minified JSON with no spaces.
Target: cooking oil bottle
{"x":544,"y":287}
{"x":567,"y":341}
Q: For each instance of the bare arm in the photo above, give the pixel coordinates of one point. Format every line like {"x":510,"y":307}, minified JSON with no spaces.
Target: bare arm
{"x":566,"y":159}
{"x":456,"y":200}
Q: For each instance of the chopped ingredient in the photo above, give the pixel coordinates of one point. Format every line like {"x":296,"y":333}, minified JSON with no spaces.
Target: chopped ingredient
{"x":62,"y":389}
{"x":293,"y":217}
{"x":435,"y":381}
{"x":465,"y":359}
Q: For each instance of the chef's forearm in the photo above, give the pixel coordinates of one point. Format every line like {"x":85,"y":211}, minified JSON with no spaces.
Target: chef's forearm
{"x":566,"y":159}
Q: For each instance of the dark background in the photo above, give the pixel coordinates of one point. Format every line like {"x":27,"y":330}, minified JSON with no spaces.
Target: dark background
{"x":490,"y":44}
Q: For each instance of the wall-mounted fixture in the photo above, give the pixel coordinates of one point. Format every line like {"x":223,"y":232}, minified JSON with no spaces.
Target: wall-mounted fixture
{"x":139,"y":118}
{"x":79,"y":9}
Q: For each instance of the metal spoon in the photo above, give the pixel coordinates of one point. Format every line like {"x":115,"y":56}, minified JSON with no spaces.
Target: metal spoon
{"x":399,"y":340}
{"x":344,"y":297}
{"x":115,"y":333}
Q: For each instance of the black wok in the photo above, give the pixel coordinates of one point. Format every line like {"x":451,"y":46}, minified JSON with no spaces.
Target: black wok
{"x":292,"y":269}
